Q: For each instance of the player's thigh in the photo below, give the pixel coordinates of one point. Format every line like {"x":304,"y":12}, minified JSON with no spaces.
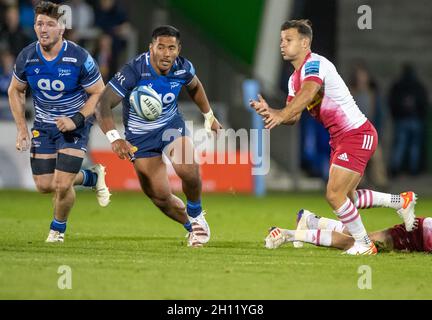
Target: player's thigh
{"x":69,"y":162}
{"x":342,"y":180}
{"x":43,"y":167}
{"x":181,"y":153}
{"x":153,"y":177}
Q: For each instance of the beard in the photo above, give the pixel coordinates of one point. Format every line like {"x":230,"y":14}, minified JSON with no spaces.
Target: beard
{"x":49,"y":46}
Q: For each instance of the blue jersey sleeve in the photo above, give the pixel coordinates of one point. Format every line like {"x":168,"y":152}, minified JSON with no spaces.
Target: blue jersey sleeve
{"x":125,"y":80}
{"x":190,"y":72}
{"x":89,"y":72}
{"x":19,"y":68}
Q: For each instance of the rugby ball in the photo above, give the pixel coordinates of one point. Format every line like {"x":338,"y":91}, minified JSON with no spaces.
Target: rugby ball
{"x":146,"y":102}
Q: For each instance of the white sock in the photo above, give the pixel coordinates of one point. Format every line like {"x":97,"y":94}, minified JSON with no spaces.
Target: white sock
{"x":350,"y":217}
{"x":316,"y":237}
{"x":321,"y":223}
{"x":369,"y":199}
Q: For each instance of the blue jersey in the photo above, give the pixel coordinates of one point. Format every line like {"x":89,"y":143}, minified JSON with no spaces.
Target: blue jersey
{"x":57,"y":86}
{"x":138,"y":72}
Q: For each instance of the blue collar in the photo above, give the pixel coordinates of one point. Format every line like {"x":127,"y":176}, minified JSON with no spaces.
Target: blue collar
{"x":52,"y":62}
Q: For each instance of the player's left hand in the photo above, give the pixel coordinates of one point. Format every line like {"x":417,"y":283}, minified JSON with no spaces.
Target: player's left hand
{"x":65,"y":124}
{"x":261,"y":106}
{"x":211,"y":123}
{"x":273,"y":118}
{"x":215,"y":126}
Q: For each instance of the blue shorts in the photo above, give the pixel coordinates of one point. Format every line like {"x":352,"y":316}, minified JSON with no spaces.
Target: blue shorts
{"x":154,"y":142}
{"x":47,"y":139}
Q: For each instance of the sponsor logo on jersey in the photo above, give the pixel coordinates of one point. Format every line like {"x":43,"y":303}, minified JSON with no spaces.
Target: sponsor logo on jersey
{"x":64,"y":72}
{"x":312,"y":67}
{"x":146,"y":74}
{"x":120,"y":78}
{"x":32,"y":60}
{"x":36,"y":143}
{"x":343,"y":157}
{"x":69,"y":59}
{"x":89,"y":64}
{"x":47,"y":85}
{"x":179,"y":72}
{"x":174,"y":85}
{"x":35,"y":133}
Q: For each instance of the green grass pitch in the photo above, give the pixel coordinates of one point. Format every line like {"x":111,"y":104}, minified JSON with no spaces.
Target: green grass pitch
{"x":130,"y":250}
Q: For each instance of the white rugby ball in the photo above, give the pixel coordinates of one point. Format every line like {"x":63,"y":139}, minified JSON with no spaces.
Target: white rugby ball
{"x":146,"y":102}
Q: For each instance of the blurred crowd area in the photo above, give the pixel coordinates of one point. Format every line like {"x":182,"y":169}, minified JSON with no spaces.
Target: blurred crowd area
{"x":102,"y":27}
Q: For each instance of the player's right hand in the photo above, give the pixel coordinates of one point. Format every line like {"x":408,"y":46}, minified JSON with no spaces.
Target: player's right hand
{"x":123,"y":149}
{"x":22,"y":140}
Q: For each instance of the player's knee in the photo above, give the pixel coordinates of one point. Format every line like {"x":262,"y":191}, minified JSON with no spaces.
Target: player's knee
{"x":62,"y":186}
{"x":332,"y":195}
{"x":44,"y":186}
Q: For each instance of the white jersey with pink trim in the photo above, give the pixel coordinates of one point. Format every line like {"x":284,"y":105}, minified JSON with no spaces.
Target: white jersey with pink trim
{"x":427,"y":234}
{"x":333,"y":105}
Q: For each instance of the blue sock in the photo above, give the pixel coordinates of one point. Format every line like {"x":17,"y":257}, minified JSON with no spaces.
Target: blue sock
{"x":188,"y":226}
{"x":58,"y":226}
{"x":89,"y":178}
{"x":193,"y":208}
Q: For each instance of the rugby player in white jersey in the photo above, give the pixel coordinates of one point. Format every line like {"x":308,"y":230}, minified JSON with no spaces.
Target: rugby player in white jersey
{"x":316,"y":86}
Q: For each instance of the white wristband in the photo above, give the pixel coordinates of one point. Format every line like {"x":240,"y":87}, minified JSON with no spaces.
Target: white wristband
{"x":209,"y":116}
{"x":113,"y":135}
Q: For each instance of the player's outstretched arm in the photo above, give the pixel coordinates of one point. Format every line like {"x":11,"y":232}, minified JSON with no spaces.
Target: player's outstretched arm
{"x":197,"y":93}
{"x":77,"y":121}
{"x":16,"y":94}
{"x":294,"y":108}
{"x":291,"y":113}
{"x":104,"y":116}
{"x":263,"y":109}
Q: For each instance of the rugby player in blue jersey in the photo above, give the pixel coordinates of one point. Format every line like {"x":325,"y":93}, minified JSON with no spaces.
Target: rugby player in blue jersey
{"x":166,"y":72}
{"x":65,"y":84}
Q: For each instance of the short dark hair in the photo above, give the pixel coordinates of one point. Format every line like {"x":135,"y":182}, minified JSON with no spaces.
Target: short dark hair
{"x":167,"y":31}
{"x":49,"y":9}
{"x":303,"y":26}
